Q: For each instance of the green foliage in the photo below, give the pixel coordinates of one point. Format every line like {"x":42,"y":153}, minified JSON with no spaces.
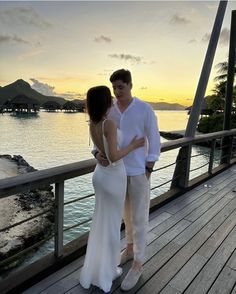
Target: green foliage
{"x":214,"y":103}
{"x":221,"y":81}
{"x":214,"y":123}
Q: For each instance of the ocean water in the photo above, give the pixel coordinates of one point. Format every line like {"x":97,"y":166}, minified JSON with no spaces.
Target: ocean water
{"x":53,"y":139}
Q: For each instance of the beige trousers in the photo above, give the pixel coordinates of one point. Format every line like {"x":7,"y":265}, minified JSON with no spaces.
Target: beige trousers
{"x":136,"y":214}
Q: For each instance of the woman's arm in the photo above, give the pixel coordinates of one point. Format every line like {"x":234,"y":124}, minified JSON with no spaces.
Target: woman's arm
{"x":110,"y":132}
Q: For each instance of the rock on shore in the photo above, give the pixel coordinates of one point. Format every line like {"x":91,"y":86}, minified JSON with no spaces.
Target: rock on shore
{"x":21,"y":206}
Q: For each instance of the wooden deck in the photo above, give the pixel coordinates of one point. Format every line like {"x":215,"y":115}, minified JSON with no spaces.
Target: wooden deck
{"x":192,"y":247}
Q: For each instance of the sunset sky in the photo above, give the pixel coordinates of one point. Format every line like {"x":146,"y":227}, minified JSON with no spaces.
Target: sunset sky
{"x":62,"y":48}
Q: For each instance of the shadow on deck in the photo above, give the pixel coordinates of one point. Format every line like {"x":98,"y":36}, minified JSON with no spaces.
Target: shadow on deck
{"x":191,"y":246}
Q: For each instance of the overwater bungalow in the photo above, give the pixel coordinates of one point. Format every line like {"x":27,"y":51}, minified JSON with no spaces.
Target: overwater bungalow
{"x":71,"y":106}
{"x":24,"y":104}
{"x":6,"y":106}
{"x":51,"y":106}
{"x":205,"y":111}
{"x":80,"y":105}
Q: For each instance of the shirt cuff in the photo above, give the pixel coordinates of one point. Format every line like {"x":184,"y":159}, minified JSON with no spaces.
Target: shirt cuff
{"x":152,"y":157}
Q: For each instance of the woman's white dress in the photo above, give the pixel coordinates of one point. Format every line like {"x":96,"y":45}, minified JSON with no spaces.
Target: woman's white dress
{"x":103,"y":249}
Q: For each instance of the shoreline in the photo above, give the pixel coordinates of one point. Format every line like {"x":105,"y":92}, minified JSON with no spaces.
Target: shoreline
{"x":173,"y":135}
{"x":19,"y":207}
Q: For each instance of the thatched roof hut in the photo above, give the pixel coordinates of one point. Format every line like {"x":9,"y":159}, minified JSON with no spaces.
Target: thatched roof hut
{"x":22,"y":103}
{"x":204,"y":109}
{"x":81,"y":106}
{"x":6,"y":106}
{"x":51,"y":106}
{"x":70,"y":106}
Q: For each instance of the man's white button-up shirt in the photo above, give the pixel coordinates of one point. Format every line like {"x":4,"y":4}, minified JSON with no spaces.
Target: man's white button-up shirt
{"x":139,"y":120}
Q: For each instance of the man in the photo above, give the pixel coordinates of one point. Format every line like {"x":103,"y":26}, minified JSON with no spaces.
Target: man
{"x":135,"y":118}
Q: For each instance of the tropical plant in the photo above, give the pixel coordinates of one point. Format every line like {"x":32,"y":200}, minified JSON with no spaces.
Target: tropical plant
{"x":215,"y":103}
{"x":221,"y":81}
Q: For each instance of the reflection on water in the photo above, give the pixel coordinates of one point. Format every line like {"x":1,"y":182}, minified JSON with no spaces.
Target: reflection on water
{"x":21,"y":116}
{"x":50,"y":140}
{"x":172,"y":120}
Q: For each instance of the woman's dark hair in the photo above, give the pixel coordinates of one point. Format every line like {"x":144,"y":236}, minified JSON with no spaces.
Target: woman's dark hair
{"x":98,"y":101}
{"x":121,"y":74}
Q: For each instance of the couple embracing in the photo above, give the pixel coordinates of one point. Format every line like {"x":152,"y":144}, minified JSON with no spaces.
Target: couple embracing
{"x":127,"y":144}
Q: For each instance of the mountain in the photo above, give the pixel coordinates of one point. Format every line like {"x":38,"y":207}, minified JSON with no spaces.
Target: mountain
{"x":20,"y":87}
{"x":167,"y":106}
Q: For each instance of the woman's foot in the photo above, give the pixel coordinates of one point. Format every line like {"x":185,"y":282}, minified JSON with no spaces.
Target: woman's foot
{"x":126,"y":256}
{"x":131,"y":278}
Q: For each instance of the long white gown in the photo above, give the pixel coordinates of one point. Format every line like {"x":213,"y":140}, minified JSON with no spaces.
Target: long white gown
{"x":103,"y":249}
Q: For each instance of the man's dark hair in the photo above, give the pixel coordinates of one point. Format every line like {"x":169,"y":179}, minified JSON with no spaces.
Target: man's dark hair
{"x":121,"y":74}
{"x":98,"y":101}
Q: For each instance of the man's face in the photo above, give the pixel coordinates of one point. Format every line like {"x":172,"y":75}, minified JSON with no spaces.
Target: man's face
{"x":121,"y":90}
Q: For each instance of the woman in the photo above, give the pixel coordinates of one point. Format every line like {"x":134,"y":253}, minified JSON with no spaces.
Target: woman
{"x":103,"y":250}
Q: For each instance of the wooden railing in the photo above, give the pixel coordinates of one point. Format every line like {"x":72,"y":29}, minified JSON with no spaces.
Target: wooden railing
{"x":58,"y":176}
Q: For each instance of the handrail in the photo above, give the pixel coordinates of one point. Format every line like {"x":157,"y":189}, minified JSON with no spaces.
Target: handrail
{"x":41,"y":178}
{"x":48,"y":176}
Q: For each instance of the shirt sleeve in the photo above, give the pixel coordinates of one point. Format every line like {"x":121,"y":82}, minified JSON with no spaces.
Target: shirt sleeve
{"x":153,"y":135}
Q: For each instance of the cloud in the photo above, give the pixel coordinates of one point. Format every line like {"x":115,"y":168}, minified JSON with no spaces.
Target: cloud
{"x":48,"y":90}
{"x":192,"y":41}
{"x":30,"y":54}
{"x":42,"y":88}
{"x":206,"y":37}
{"x":12,"y":39}
{"x":23,"y":15}
{"x":105,"y":72}
{"x":72,"y":95}
{"x":126,"y":57}
{"x":211,"y":6}
{"x":102,"y":39}
{"x":224,"y":37}
{"x":176,"y":19}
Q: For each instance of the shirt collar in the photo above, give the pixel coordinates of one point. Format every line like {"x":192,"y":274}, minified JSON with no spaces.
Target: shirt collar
{"x":129,"y":106}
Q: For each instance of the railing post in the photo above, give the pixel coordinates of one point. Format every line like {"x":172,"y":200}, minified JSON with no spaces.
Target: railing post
{"x":59,"y":219}
{"x":229,"y":89}
{"x":181,"y":173}
{"x":200,"y":92}
{"x":213,"y":146}
{"x":227,"y":143}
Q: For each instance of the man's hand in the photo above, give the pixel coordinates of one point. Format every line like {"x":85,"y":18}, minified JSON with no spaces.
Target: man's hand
{"x":149,"y":169}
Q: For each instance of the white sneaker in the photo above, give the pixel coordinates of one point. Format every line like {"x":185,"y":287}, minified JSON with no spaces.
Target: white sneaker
{"x":125,"y":257}
{"x":131,"y":279}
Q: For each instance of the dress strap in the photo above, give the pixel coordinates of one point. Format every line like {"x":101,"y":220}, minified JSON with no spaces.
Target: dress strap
{"x":103,"y":126}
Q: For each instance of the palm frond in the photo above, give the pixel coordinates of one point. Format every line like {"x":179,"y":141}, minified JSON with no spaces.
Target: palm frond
{"x":222,"y":67}
{"x":222,"y":78}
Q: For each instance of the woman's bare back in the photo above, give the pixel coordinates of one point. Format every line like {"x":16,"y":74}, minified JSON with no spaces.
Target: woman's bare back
{"x":96,"y":132}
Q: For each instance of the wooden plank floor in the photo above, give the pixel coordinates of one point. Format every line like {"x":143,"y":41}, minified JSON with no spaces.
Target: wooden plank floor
{"x":192,"y":247}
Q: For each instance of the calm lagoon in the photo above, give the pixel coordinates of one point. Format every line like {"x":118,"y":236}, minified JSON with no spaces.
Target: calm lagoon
{"x":53,"y":139}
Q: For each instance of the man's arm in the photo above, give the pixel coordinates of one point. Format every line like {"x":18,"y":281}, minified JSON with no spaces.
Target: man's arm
{"x":153,"y":136}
